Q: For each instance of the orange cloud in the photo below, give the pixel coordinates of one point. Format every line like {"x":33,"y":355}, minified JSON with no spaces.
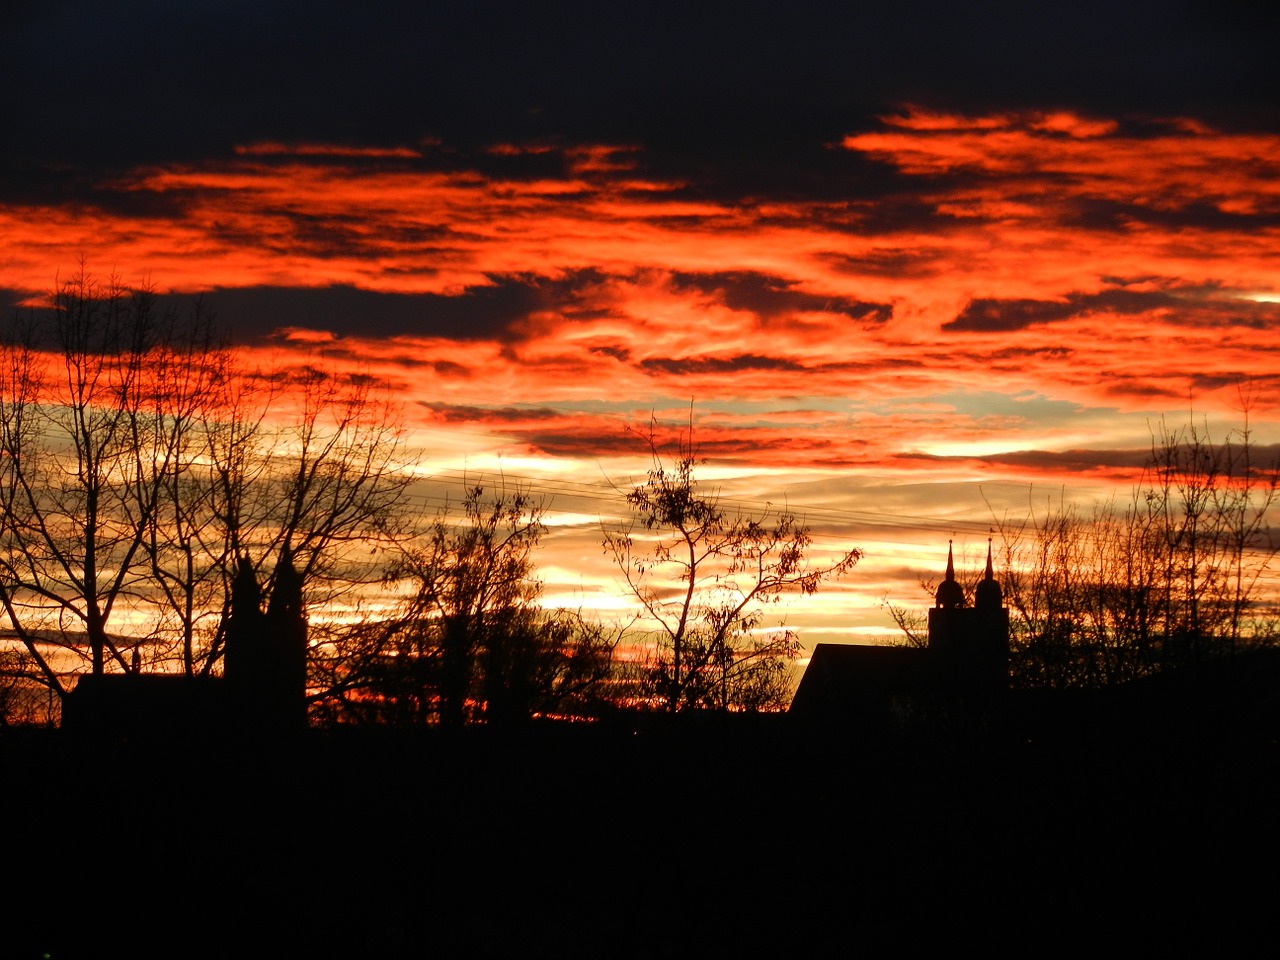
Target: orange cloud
{"x":1098,"y":263}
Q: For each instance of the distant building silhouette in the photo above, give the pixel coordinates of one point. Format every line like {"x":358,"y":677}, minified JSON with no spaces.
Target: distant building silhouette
{"x":970,"y":645}
{"x":263,"y":687}
{"x":963,"y":668}
{"x":265,"y":665}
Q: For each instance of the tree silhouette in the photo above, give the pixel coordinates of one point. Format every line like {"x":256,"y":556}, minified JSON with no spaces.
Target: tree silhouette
{"x":472,"y":643}
{"x":703,"y":575}
{"x":1168,"y":577}
{"x":1127,"y":588}
{"x":137,"y":462}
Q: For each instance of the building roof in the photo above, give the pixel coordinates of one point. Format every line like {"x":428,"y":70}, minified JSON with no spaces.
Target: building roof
{"x":846,"y":681}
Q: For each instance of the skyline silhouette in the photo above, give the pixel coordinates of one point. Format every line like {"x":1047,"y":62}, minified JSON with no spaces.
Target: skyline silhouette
{"x":918,"y":276}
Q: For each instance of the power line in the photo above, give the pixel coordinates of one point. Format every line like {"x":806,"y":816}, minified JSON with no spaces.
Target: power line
{"x":865,"y":521}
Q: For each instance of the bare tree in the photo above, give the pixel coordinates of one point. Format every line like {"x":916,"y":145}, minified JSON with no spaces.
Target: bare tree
{"x":703,"y":576}
{"x":189,"y":555}
{"x":84,"y":457}
{"x":471,"y":642}
{"x":137,"y":463}
{"x":327,"y":483}
{"x":1169,"y":576}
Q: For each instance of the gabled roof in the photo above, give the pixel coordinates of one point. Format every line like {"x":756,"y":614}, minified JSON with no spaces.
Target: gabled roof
{"x":846,"y":681}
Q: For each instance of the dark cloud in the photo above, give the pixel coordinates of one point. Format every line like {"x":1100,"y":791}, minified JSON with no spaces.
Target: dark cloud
{"x":1050,"y":461}
{"x":1154,"y":390}
{"x":985,"y":315}
{"x":620,"y":353}
{"x":1194,"y":306}
{"x":447,"y":368}
{"x":583,"y":441}
{"x":596,"y":439}
{"x":1083,"y":460}
{"x":30,"y":183}
{"x":1024,"y":355}
{"x":460,"y":413}
{"x":998,"y":316}
{"x":479,"y":313}
{"x":9,"y":300}
{"x":1096,"y":213}
{"x":116,"y":188}
{"x":698,"y":365}
{"x":1247,"y":383}
{"x":744,"y":96}
{"x":770,"y":297}
{"x":886,"y":367}
{"x":916,"y":263}
{"x":894,"y":214}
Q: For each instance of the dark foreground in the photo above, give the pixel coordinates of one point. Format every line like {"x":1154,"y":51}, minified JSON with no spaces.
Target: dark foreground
{"x":747,"y":838}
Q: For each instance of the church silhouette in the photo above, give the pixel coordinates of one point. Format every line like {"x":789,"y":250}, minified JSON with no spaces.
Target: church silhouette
{"x":262,"y":689}
{"x":959,"y":676}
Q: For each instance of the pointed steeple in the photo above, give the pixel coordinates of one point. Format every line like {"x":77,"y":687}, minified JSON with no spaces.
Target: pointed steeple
{"x":989,"y":595}
{"x":950,"y":594}
{"x":246,"y":598}
{"x":243,"y":625}
{"x":286,"y":593}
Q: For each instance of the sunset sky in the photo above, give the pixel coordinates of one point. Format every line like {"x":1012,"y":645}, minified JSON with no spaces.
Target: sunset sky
{"x":911,"y":270}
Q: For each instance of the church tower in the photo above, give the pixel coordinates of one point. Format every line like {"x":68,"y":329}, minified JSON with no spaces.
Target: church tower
{"x":266,"y":652}
{"x":242,"y":626}
{"x":970,"y":645}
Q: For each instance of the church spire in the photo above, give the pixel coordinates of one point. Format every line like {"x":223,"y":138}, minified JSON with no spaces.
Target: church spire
{"x":950,"y":594}
{"x":989,"y":595}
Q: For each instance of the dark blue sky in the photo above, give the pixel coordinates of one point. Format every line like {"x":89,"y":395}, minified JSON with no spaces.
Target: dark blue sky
{"x":760,"y":87}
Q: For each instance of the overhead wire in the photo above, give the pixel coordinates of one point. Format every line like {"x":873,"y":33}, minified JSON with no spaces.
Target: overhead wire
{"x":864,"y":526}
{"x":836,"y":524}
